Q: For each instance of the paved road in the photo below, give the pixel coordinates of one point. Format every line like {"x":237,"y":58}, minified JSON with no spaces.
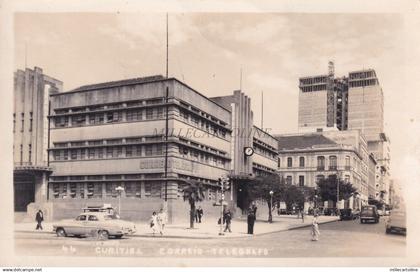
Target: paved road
{"x":338,"y":239}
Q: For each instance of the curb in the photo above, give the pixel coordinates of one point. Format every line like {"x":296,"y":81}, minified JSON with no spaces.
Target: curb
{"x":201,"y":237}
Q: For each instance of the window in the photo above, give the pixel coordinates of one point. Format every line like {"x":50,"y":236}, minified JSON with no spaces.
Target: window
{"x":91,"y":154}
{"x":301,"y":162}
{"x":289,"y":180}
{"x":66,"y":154}
{"x":100,"y":153}
{"x":93,"y":218}
{"x":289,"y":162}
{"x":159,"y":112}
{"x":78,"y":120}
{"x":333,"y":162}
{"x":278,"y":162}
{"x":30,"y":152}
{"x":23,"y":118}
{"x":30,"y":121}
{"x":321,"y":163}
{"x":73,"y":154}
{"x":134,"y":115}
{"x":149,"y":150}
{"x":301,"y":181}
{"x":81,"y":218}
{"x":109,"y":152}
{"x":149,"y":114}
{"x":129,"y":151}
{"x":347,"y":166}
{"x":159,"y":150}
{"x":184,"y":115}
{"x":194,"y":120}
{"x":14,"y":122}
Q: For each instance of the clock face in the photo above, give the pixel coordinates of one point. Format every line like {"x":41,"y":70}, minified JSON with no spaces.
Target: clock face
{"x":249,"y":151}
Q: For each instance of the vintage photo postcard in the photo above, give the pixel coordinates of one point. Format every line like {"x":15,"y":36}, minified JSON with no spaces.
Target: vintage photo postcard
{"x":178,"y":134}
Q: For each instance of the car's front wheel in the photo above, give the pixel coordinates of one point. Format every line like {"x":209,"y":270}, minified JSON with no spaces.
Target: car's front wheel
{"x":61,"y":232}
{"x":103,"y":234}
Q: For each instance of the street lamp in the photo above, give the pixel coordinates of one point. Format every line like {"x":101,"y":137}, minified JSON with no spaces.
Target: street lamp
{"x":119,"y":189}
{"x":270,"y":216}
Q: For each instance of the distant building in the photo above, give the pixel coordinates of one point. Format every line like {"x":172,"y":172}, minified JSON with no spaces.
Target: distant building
{"x":114,"y":134}
{"x":31,"y":138}
{"x":353,"y":102}
{"x":304,"y":159}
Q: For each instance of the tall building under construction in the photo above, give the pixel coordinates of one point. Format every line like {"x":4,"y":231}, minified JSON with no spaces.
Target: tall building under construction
{"x":353,"y":102}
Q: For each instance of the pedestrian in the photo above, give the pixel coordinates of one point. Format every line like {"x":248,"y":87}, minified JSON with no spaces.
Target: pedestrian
{"x":39,"y":218}
{"x":162,"y":219}
{"x":154,"y":223}
{"x":251,"y":221}
{"x":228,"y":219}
{"x":303,"y":216}
{"x":315,"y":229}
{"x":199,"y":214}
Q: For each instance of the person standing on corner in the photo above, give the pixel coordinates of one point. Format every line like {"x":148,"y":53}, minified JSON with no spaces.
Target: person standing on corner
{"x":162,"y":220}
{"x":251,"y":220}
{"x":199,"y":213}
{"x":315,"y":228}
{"x":39,"y":218}
{"x":228,"y":219}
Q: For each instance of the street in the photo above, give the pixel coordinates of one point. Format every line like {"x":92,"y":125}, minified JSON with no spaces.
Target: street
{"x":338,"y":239}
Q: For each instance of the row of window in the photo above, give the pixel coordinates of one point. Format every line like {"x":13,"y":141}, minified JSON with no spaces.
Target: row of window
{"x":109,"y":152}
{"x":22,"y":127}
{"x":105,"y":189}
{"x":132,"y":189}
{"x":135,"y":151}
{"x":264,"y":152}
{"x":301,"y":181}
{"x":86,"y":119}
{"x":201,"y":123}
{"x":320,"y":162}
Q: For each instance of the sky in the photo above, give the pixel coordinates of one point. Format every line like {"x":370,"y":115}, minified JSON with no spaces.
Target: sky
{"x":209,"y":50}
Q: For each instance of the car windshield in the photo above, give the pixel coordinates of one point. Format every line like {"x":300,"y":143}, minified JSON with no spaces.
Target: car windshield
{"x":111,"y":217}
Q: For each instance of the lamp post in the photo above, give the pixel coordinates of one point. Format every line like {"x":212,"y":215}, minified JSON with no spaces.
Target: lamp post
{"x":338,"y":194}
{"x":119,"y":189}
{"x":270,"y":216}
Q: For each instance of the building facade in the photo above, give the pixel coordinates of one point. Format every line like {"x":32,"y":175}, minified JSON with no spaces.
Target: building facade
{"x":30,"y":137}
{"x":354,"y":102}
{"x":152,"y":136}
{"x":305,"y":159}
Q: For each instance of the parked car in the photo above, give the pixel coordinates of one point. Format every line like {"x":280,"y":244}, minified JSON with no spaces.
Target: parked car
{"x":95,"y":223}
{"x":396,"y":222}
{"x":369,"y":213}
{"x":348,"y":214}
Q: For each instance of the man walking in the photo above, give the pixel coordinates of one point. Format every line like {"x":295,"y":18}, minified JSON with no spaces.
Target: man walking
{"x":199,"y":214}
{"x":39,"y":218}
{"x":251,"y":220}
{"x":228,"y":219}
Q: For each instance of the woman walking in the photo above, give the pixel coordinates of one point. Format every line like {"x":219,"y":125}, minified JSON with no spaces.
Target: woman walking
{"x":315,"y":229}
{"x":154,"y":223}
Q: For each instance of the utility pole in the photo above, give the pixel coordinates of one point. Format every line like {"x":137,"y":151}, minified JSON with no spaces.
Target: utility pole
{"x":222,"y":181}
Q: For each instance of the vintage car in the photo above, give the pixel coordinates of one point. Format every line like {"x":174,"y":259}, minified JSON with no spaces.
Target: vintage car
{"x":396,"y":222}
{"x":369,"y":213}
{"x":349,"y":214}
{"x":99,"y":224}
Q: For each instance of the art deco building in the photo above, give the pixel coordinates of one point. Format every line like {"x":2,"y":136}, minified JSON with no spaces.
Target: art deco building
{"x":152,"y":136}
{"x":30,"y":137}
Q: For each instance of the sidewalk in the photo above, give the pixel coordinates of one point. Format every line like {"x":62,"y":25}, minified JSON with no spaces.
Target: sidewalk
{"x":208,"y":229}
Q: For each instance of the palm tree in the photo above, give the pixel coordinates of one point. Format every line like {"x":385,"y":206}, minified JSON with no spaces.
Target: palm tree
{"x":193,"y":192}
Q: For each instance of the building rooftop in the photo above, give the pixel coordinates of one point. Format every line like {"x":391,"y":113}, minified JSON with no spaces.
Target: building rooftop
{"x":118,"y":83}
{"x":302,"y":141}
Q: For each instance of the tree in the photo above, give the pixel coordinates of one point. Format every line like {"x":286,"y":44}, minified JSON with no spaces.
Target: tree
{"x":193,"y":193}
{"x":294,"y":197}
{"x":260,"y":188}
{"x":327,"y":189}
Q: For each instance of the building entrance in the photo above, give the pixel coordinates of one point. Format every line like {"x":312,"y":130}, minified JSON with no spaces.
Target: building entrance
{"x":24,"y":193}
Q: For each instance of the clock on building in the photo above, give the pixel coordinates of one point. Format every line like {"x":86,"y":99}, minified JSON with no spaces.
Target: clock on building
{"x":248,"y":151}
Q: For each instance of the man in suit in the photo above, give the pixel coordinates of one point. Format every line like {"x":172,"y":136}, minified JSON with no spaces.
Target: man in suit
{"x":39,"y":218}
